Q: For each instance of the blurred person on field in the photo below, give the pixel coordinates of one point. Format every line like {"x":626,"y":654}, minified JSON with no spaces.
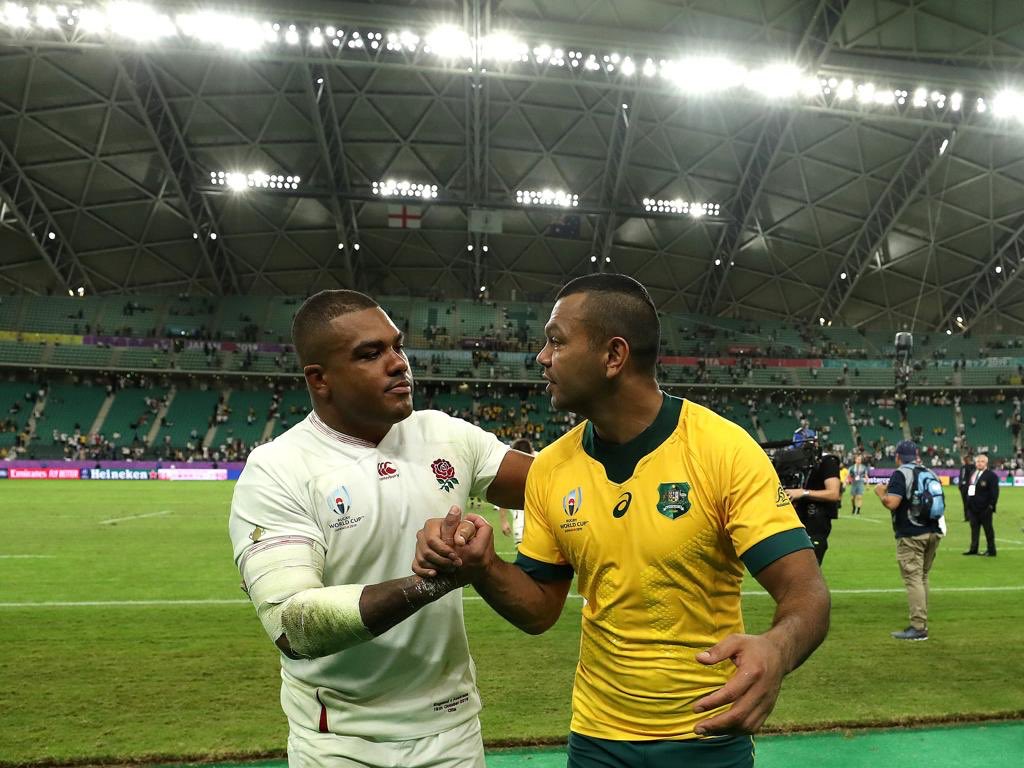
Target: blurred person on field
{"x":514,"y":527}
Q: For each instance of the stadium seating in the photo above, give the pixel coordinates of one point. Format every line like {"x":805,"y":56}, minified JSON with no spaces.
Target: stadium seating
{"x":191,"y":409}
{"x":70,"y":408}
{"x":987,"y":428}
{"x":237,"y":427}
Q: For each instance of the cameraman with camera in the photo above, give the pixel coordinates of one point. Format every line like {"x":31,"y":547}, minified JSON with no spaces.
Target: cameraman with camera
{"x":816,"y":490}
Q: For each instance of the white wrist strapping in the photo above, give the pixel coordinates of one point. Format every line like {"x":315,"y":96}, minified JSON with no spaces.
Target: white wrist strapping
{"x":284,"y":580}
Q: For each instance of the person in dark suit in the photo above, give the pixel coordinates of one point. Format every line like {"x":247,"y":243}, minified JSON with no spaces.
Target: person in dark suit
{"x":982,"y":497}
{"x":964,"y":480}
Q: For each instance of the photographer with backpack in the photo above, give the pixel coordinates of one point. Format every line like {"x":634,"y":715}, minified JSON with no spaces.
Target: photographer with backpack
{"x":914,"y":497}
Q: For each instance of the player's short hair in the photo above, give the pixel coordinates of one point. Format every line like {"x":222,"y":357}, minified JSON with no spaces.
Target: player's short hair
{"x":316,"y":313}
{"x":618,"y":305}
{"x":522,"y":444}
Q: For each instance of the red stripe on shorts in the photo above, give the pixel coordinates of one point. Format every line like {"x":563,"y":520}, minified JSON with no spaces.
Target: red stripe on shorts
{"x":323,"y":715}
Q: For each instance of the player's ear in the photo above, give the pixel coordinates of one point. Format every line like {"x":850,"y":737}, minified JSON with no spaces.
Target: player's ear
{"x":616,"y":356}
{"x":315,"y":379}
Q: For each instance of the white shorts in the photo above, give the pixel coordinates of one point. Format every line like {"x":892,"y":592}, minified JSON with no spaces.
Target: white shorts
{"x":518,"y":521}
{"x":460,"y":747}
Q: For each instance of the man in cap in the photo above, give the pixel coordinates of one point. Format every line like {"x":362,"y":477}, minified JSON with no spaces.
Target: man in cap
{"x":917,"y":539}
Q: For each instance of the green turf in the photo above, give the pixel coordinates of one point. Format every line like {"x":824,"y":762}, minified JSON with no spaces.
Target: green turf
{"x":158,"y":679}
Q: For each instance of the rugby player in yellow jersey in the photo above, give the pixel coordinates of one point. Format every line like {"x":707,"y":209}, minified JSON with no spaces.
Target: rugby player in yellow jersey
{"x":656,"y":505}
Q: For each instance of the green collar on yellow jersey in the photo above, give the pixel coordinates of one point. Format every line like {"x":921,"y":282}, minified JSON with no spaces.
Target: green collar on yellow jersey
{"x":620,"y":460}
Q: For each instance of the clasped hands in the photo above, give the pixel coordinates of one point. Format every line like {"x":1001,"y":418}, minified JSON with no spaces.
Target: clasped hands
{"x":455,"y":544}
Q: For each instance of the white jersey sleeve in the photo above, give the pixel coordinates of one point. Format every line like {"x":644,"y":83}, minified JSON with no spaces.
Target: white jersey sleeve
{"x":485,"y":453}
{"x":265,"y":505}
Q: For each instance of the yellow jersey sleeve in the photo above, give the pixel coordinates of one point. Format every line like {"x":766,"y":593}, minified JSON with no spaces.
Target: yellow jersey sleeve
{"x":759,"y":516}
{"x":539,"y":554}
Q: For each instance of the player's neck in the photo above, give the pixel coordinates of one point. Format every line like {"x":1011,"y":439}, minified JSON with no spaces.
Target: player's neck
{"x":365,"y":431}
{"x":627,"y":412}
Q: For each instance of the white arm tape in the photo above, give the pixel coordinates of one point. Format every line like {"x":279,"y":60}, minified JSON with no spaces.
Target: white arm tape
{"x":319,"y":622}
{"x":284,"y":579}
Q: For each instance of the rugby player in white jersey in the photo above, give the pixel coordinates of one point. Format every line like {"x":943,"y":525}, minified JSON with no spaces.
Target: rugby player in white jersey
{"x":375,"y":664}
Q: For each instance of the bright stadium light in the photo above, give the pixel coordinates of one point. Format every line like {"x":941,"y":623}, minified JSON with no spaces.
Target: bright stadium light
{"x":679,"y":206}
{"x":703,"y":74}
{"x":241,"y":182}
{"x":452,"y":46}
{"x":554,"y":197}
{"x":449,"y":42}
{"x":403,"y":188}
{"x":503,"y":46}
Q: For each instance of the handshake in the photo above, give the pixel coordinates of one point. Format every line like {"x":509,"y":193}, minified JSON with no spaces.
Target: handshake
{"x":457,"y":546}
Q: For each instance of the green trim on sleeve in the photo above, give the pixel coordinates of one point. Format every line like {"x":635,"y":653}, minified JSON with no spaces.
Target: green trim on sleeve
{"x":767,"y":551}
{"x":538,"y":570}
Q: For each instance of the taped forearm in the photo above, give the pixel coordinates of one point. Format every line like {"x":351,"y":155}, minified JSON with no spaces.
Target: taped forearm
{"x":319,"y":622}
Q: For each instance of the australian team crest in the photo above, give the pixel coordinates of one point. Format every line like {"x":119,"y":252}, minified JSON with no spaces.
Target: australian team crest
{"x":339,"y":500}
{"x":572,"y":501}
{"x":673,"y":499}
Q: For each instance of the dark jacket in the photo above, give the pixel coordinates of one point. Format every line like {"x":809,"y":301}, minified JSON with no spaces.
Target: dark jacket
{"x":986,"y":492}
{"x":966,"y":471}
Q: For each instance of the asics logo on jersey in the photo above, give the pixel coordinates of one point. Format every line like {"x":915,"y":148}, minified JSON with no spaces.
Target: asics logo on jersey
{"x":622,"y":507}
{"x":385,"y":469}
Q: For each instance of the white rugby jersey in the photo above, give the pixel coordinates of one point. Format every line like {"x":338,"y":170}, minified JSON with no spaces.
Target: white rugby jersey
{"x":363,"y":504}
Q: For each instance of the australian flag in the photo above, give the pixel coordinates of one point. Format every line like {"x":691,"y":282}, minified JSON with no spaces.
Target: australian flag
{"x":567,"y":226}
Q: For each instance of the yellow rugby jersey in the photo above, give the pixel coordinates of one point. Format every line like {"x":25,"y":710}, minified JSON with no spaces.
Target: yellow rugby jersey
{"x":658,"y":536}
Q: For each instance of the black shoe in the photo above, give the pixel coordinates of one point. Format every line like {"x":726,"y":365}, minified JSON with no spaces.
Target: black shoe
{"x":987,"y":554}
{"x":971,"y":552}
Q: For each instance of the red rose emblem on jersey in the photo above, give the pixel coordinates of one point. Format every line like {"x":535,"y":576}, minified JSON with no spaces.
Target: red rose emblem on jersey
{"x":444,"y":472}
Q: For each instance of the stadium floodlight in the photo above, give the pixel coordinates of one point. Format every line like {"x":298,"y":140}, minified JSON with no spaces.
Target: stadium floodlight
{"x":51,"y":235}
{"x":403,"y":188}
{"x":241,"y":182}
{"x":504,"y":46}
{"x":46,"y":18}
{"x":16,"y":16}
{"x":449,"y":42}
{"x":679,"y":206}
{"x":999,"y":269}
{"x":240,"y":33}
{"x":1008,"y":103}
{"x":558,"y":198}
{"x":782,"y":81}
{"x":701,"y":75}
{"x":842,"y":275}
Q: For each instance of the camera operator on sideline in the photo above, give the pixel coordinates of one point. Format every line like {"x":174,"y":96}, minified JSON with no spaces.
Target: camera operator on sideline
{"x":817,"y":500}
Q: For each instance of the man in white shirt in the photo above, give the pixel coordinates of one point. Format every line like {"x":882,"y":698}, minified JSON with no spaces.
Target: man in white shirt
{"x":375,"y":664}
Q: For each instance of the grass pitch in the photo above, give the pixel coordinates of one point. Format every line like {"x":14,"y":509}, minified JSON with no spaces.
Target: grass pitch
{"x":127,"y":637}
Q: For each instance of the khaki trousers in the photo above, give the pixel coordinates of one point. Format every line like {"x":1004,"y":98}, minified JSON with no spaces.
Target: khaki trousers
{"x":915,"y":555}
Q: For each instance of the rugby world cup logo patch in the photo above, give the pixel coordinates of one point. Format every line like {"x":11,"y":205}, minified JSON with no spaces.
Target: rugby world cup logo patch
{"x":572,"y":501}
{"x":339,"y":500}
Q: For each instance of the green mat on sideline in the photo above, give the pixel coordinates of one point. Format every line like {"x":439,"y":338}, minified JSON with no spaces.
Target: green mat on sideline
{"x":992,"y":745}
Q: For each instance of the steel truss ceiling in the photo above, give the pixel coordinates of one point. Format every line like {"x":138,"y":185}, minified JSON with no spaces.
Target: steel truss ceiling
{"x":109,"y":147}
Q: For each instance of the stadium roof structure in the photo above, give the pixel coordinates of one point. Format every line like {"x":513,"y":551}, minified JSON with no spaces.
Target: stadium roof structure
{"x":851,"y":161}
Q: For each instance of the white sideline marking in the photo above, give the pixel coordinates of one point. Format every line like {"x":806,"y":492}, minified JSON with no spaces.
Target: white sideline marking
{"x":860,"y":517}
{"x":113,"y":520}
{"x":1009,"y":541}
{"x":25,"y":557}
{"x":575,"y":596}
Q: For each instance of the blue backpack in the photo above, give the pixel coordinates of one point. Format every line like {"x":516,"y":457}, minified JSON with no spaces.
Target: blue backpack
{"x":924,"y":491}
